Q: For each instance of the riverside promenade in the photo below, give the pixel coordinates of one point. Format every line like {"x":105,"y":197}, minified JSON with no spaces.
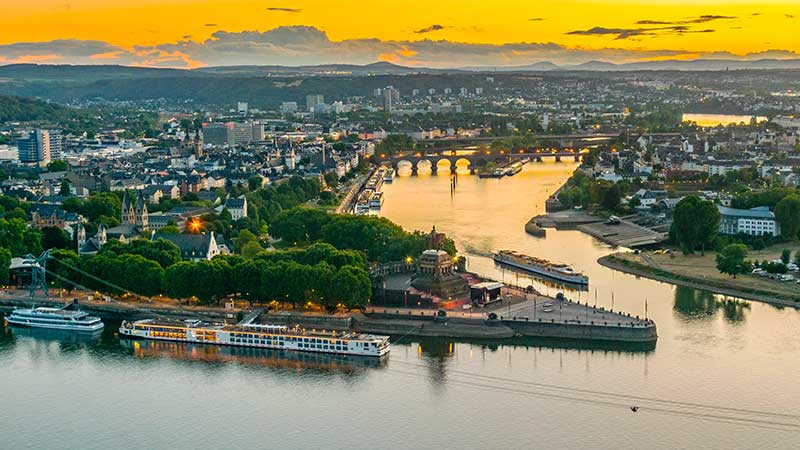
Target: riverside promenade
{"x":519,"y":314}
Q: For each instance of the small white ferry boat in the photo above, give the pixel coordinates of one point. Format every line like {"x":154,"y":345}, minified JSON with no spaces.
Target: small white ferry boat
{"x":258,"y":335}
{"x":67,"y":317}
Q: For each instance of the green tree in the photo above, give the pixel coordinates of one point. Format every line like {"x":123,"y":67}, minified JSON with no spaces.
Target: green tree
{"x":695,"y":223}
{"x":209,"y":281}
{"x":63,"y":276}
{"x":394,"y":143}
{"x":18,"y":238}
{"x":163,"y":252}
{"x":255,"y":182}
{"x":251,"y":249}
{"x":5,"y":263}
{"x":178,"y":280}
{"x":120,"y":273}
{"x":327,"y":198}
{"x":331,"y":179}
{"x":57,"y":165}
{"x":97,"y":206}
{"x":244,"y":237}
{"x":54,"y":237}
{"x":708,"y":218}
{"x":352,"y":286}
{"x":611,"y":198}
{"x":169,"y":229}
{"x":64,"y":190}
{"x":140,"y":275}
{"x":786,"y":256}
{"x":774,"y":267}
{"x":787,"y":213}
{"x":731,"y":260}
{"x":299,"y":225}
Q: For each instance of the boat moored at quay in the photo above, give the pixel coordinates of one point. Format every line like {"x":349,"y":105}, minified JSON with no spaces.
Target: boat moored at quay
{"x":67,"y":318}
{"x":376,"y":200}
{"x":363,"y":202}
{"x":557,"y":271}
{"x":258,"y":335}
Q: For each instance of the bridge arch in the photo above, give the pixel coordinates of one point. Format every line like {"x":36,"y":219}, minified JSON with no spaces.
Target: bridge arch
{"x":446,"y":163}
{"x":404,"y":166}
{"x":463,"y":164}
{"x":425,"y":165}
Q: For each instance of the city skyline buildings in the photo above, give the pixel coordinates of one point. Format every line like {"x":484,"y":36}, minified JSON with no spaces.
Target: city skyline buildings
{"x":40,"y":146}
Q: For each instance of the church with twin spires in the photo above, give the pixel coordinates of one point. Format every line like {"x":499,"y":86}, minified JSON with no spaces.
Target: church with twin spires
{"x":134,"y":219}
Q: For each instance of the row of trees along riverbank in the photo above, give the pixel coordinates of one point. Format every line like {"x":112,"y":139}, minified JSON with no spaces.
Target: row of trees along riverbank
{"x":327,"y":264}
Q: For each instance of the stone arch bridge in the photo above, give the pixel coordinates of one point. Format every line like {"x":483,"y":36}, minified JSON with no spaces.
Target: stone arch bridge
{"x":475,"y":159}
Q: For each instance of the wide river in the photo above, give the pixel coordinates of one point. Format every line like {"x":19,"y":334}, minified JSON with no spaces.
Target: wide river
{"x":723,"y":374}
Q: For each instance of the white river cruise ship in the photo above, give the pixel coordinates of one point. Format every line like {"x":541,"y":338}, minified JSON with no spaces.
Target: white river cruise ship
{"x":557,"y":271}
{"x":258,"y":335}
{"x":63,"y":318}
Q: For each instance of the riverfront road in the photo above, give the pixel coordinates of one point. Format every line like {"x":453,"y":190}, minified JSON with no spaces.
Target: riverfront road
{"x":347,"y":203}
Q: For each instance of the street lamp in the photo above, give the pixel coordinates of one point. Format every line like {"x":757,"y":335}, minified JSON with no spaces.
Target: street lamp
{"x":194,"y":225}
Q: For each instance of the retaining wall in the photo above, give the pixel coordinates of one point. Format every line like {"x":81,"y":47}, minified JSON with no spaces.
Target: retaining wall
{"x":622,"y":333}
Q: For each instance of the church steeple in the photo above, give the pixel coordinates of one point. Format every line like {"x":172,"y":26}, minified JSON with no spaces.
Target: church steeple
{"x":198,"y":143}
{"x":81,"y":236}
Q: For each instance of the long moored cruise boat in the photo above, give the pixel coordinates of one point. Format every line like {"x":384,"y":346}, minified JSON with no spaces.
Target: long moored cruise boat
{"x":558,"y":271}
{"x":64,"y":318}
{"x":258,"y":335}
{"x":376,"y":201}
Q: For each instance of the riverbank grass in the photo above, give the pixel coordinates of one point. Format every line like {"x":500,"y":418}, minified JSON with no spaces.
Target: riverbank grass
{"x":702,"y":270}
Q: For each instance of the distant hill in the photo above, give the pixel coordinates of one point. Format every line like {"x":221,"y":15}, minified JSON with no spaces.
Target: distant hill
{"x":228,"y":87}
{"x":81,"y":73}
{"x":685,"y":65}
{"x":105,"y":72}
{"x":268,"y":86}
{"x":18,"y":109}
{"x":377,"y":68}
{"x":88,"y":73}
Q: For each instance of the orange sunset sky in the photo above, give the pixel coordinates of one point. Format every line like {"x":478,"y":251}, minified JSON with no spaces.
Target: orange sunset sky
{"x":444,"y":33}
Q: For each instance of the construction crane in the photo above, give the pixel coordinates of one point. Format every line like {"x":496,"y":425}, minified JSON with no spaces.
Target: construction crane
{"x":38,"y":267}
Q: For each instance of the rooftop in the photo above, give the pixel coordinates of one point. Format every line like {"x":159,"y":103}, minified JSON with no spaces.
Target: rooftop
{"x":761,"y":212}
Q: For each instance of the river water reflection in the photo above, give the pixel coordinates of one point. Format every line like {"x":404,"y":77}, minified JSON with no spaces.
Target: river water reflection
{"x":105,"y":393}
